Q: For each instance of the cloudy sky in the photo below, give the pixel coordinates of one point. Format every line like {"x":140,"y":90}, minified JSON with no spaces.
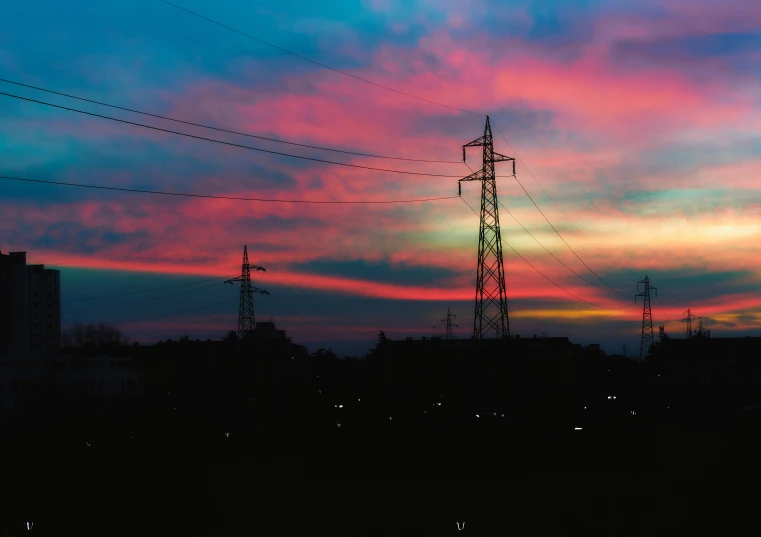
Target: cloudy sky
{"x":640,"y":120}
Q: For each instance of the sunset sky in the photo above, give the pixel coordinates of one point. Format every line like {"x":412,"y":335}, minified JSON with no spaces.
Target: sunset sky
{"x":640,"y":119}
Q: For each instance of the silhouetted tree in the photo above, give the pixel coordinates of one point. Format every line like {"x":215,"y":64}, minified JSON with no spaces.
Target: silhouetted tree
{"x":322,"y":353}
{"x":232,"y":335}
{"x":93,"y":335}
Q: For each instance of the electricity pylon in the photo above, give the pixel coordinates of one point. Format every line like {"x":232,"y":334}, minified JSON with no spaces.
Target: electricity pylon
{"x":647,"y":318}
{"x":688,"y":319}
{"x":246,"y":320}
{"x":448,"y":320}
{"x":491,"y":298}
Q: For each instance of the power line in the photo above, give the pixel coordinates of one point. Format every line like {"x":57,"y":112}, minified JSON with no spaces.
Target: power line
{"x":419,"y":98}
{"x":539,"y":271}
{"x":322,"y":64}
{"x":145,"y":291}
{"x":545,"y":248}
{"x":564,"y":241}
{"x":237,"y":198}
{"x":173,"y":313}
{"x":227,"y":130}
{"x":659,"y":303}
{"x":137,"y":301}
{"x":553,"y":255}
{"x":548,"y":194}
{"x":226,"y":143}
{"x":169,"y":257}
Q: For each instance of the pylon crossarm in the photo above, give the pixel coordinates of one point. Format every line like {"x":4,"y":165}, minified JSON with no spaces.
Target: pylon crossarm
{"x":496,"y":157}
{"x":477,"y":142}
{"x":475,"y":176}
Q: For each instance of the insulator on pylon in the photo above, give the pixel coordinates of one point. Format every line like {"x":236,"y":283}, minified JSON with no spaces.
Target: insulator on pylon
{"x":459,"y":188}
{"x":463,"y":154}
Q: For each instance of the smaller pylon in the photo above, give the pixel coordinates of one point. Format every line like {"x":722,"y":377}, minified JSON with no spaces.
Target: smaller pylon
{"x":688,"y":317}
{"x":448,"y":320}
{"x":246,"y":320}
{"x":647,"y":318}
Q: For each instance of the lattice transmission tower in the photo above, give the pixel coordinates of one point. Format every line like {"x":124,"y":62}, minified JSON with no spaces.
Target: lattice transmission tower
{"x":647,"y":318}
{"x":246,"y":320}
{"x":491,"y":298}
{"x":448,"y":320}
{"x":688,"y":317}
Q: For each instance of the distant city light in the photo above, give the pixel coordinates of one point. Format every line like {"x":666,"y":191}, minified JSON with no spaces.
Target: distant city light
{"x":503,"y":415}
{"x":585,"y":408}
{"x":340,"y":406}
{"x":425,"y":412}
{"x":227,"y":435}
{"x":478,"y":416}
{"x":438,"y":404}
{"x":609,"y":397}
{"x":338,"y":424}
{"x":614,"y":397}
{"x":390,"y":418}
{"x":577,"y":428}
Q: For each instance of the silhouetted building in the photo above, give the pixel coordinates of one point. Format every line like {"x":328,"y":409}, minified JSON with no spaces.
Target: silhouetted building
{"x":30,"y":306}
{"x":268,"y":331}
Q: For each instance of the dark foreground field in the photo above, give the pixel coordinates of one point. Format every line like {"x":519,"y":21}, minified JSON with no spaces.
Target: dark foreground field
{"x":669,"y":481}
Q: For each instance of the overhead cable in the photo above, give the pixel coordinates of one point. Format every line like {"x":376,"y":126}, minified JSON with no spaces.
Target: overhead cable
{"x":140,"y":300}
{"x":227,"y":130}
{"x":539,"y":271}
{"x":404,"y":172}
{"x":174,"y":312}
{"x":553,"y":255}
{"x":237,"y":198}
{"x":564,"y":241}
{"x":366,"y":81}
{"x":548,"y":194}
{"x":146,"y":290}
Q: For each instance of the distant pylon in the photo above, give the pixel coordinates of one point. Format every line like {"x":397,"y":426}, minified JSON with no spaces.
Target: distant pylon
{"x":647,"y":318}
{"x":448,"y":320}
{"x":688,"y":319}
{"x":246,"y":320}
{"x":491,"y":298}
